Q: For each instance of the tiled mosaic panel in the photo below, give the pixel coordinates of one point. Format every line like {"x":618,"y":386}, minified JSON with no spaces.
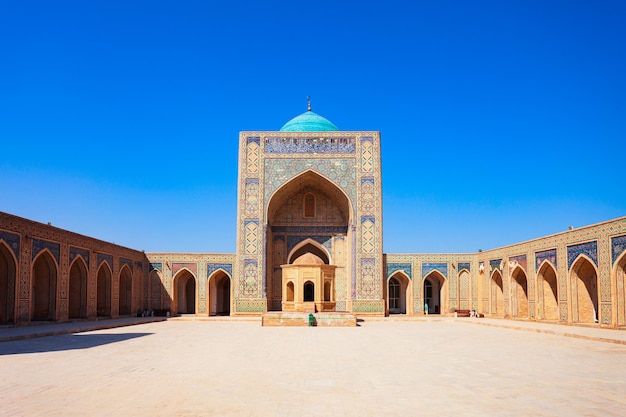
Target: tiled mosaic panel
{"x":211,"y":268}
{"x":464,"y":265}
{"x":367,"y":155}
{"x":427,"y":268}
{"x":177,"y":266}
{"x":54,"y":248}
{"x":251,"y":228}
{"x":590,"y":249}
{"x":518,"y":260}
{"x":304,"y":145}
{"x":157,"y":266}
{"x":249,"y":286}
{"x":326,"y":211}
{"x":252,"y":155}
{"x":368,"y":235}
{"x":407,"y":268}
{"x":368,"y":278}
{"x":338,"y":170}
{"x":105,"y":258}
{"x":368,"y":306}
{"x":251,"y":202}
{"x":368,"y":196}
{"x":464,"y":287}
{"x":84,"y":253}
{"x":546,"y":255}
{"x":250,"y":306}
{"x":495,"y":264}
{"x":13,"y":241}
{"x":618,"y":246}
{"x":292,"y":241}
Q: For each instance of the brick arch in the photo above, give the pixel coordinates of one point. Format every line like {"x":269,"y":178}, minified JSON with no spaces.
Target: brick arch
{"x":77,"y":294}
{"x":619,"y":289}
{"x":584,"y":289}
{"x":8,"y":273}
{"x":496,"y":294}
{"x":104,"y":286}
{"x":437,"y":277}
{"x":403,"y":298}
{"x":547,"y":289}
{"x":219,"y":293}
{"x":185,"y":290}
{"x":125,"y":288}
{"x":44,"y":286}
{"x":519,"y":293}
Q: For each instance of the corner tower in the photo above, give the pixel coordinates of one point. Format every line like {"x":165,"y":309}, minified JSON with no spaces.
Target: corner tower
{"x":309,"y":223}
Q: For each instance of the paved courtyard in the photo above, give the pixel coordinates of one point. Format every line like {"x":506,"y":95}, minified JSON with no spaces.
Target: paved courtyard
{"x":382,"y":368}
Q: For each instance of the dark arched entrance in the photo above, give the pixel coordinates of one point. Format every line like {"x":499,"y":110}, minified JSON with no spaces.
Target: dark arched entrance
{"x":104,"y":291}
{"x":219,"y":294}
{"x":309,"y":291}
{"x":7,"y":285}
{"x":78,"y":290}
{"x":185,"y":292}
{"x":44,"y":288}
{"x":434,"y":286}
{"x":126,"y":291}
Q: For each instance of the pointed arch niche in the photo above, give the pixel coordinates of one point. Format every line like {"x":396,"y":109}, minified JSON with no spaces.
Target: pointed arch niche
{"x":308,"y":238}
{"x":103,"y":290}
{"x":78,"y":289}
{"x":434,"y":288}
{"x":398,"y":293}
{"x":496,"y":294}
{"x":584,"y":286}
{"x":620,"y":289}
{"x":126,"y":291}
{"x":7,"y":284}
{"x":184,"y":283}
{"x":219,"y":293}
{"x":519,"y":293}
{"x":547,"y":288}
{"x":44,"y":287}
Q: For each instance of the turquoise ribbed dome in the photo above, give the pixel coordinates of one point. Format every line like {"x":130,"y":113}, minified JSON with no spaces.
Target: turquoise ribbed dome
{"x":308,"y":122}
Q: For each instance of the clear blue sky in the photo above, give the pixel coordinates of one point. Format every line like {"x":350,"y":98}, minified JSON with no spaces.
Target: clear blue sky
{"x":501,"y":121}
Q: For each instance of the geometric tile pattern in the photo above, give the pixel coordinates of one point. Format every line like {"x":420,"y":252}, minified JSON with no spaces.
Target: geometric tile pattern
{"x":546,"y":255}
{"x":518,"y":260}
{"x":211,"y":268}
{"x":590,"y":249}
{"x":158,"y":266}
{"x":368,"y":280}
{"x":13,"y":240}
{"x":429,"y":267}
{"x":618,"y":246}
{"x":251,"y":228}
{"x":392,"y":268}
{"x":496,"y":264}
{"x":74,"y":252}
{"x":463,"y":265}
{"x":309,"y":145}
{"x":54,"y":248}
{"x":368,"y":235}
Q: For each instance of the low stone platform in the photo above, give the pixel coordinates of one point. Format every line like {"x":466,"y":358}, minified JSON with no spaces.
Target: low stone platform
{"x":326,"y":319}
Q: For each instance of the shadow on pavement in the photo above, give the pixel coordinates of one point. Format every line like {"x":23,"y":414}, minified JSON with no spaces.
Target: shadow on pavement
{"x":64,"y":342}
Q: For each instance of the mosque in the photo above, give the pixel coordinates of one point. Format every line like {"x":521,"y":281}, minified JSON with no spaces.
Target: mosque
{"x":309,"y":238}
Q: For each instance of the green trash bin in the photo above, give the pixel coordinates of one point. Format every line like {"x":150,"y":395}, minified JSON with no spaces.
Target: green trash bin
{"x":311,"y":320}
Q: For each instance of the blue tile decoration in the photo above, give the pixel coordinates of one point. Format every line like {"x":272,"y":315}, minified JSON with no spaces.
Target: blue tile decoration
{"x":546,"y":255}
{"x":395,"y":267}
{"x":325,"y":241}
{"x":54,"y":248}
{"x":520,"y":260}
{"x":13,"y":240}
{"x":103,"y":257}
{"x":367,"y":218}
{"x":74,"y":252}
{"x":286,"y":145}
{"x":590,"y":249}
{"x":618,"y":246}
{"x":156,"y":266}
{"x":211,"y":268}
{"x":464,"y":265}
{"x":311,"y":230}
{"x":428,"y":268}
{"x":254,"y":139}
{"x":365,"y":180}
{"x":496,"y":264}
{"x":124,"y":261}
